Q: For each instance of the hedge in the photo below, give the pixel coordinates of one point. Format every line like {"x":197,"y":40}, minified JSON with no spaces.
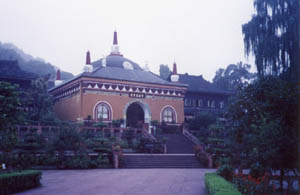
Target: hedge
{"x":217,"y":185}
{"x":19,"y":181}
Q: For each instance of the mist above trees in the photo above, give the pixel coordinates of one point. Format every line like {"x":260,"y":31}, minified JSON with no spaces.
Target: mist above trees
{"x":28,"y":63}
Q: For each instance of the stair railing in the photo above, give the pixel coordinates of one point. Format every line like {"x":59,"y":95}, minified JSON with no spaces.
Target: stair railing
{"x":200,"y":145}
{"x":148,"y":135}
{"x":191,"y":137}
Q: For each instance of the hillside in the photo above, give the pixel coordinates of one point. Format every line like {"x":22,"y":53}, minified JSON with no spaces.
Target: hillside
{"x":28,"y":63}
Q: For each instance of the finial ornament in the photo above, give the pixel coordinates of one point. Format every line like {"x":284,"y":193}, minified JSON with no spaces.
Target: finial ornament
{"x":174,"y":76}
{"x":58,"y":80}
{"x":88,"y":66}
{"x":115,"y":50}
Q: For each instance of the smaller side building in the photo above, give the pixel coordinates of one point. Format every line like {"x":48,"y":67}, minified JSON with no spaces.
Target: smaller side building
{"x":201,"y":95}
{"x":12,"y":73}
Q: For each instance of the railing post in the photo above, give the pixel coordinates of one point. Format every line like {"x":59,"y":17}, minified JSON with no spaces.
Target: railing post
{"x":165,"y":149}
{"x":116,"y":160}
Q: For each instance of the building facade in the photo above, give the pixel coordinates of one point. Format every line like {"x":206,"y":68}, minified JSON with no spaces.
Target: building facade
{"x":201,"y":95}
{"x":114,"y":88}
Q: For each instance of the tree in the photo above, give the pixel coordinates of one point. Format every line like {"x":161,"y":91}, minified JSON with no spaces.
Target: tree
{"x":164,"y":71}
{"x":9,"y":105}
{"x":10,"y":110}
{"x":202,"y":121}
{"x":263,"y":125}
{"x":272,"y":35}
{"x":68,"y":138}
{"x":233,"y":76}
{"x":39,"y":101}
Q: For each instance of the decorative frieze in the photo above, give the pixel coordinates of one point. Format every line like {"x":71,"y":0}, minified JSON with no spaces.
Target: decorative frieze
{"x":74,"y":89}
{"x":131,"y":90}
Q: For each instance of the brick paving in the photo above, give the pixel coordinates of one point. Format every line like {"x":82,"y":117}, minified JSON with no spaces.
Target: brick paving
{"x":122,"y":182}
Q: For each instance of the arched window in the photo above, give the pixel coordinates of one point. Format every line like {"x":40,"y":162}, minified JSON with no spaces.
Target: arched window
{"x":168,"y":115}
{"x":103,"y":112}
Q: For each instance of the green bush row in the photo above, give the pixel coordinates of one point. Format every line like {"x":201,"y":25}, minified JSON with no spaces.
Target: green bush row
{"x":217,"y":185}
{"x":19,"y":181}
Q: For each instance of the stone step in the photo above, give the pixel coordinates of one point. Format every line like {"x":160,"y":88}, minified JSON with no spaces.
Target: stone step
{"x":160,"y":161}
{"x":162,"y":167}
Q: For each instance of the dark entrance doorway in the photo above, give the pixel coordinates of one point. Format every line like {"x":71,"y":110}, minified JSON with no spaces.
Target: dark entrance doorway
{"x":135,"y":115}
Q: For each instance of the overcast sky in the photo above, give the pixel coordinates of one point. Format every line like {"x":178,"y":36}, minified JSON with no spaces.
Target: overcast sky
{"x":201,"y":36}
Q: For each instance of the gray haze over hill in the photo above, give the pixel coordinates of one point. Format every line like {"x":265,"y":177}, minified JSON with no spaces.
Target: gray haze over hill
{"x":39,"y":66}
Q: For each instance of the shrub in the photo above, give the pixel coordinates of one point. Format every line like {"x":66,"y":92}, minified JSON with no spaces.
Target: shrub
{"x":251,"y":185}
{"x":117,"y":123}
{"x":226,"y":171}
{"x":256,"y":171}
{"x":216,"y":185}
{"x":19,"y":181}
{"x":202,"y":121}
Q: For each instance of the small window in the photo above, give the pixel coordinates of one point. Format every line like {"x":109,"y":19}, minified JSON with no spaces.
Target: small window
{"x":194,"y":103}
{"x":103,"y":112}
{"x":208,"y":105}
{"x":222,"y":104}
{"x":186,"y":102}
{"x":168,"y":115}
{"x":213,"y":104}
{"x":199,"y":103}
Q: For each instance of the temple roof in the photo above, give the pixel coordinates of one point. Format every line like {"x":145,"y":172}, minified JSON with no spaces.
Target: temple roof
{"x":116,"y":67}
{"x":9,"y":69}
{"x":121,"y":74}
{"x":129,"y":75}
{"x":199,"y":84}
{"x":117,"y":61}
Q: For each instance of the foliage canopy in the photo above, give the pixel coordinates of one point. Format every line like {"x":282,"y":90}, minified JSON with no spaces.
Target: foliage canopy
{"x":164,"y":71}
{"x":9,"y":104}
{"x":272,"y":35}
{"x":263,"y":123}
{"x":233,"y":76}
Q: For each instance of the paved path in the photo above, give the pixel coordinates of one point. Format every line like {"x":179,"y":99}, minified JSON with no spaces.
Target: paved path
{"x":122,"y":182}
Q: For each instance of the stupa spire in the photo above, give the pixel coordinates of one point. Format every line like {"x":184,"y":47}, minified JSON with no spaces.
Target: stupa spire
{"x":115,"y":47}
{"x":174,"y":76}
{"x":58,"y":75}
{"x":88,"y":58}
{"x":174,"y":68}
{"x":115,"y":42}
{"x":88,"y":66}
{"x":58,"y":80}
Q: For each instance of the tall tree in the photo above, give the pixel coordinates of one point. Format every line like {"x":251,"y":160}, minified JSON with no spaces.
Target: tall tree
{"x":272,"y":35}
{"x":9,"y":105}
{"x":39,"y":101}
{"x":233,"y":76}
{"x":164,"y":71}
{"x":262,"y":120}
{"x":10,"y":114}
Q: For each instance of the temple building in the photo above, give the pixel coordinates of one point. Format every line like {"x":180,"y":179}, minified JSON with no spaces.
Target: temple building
{"x":201,"y":95}
{"x":11,"y":72}
{"x":115,"y":87}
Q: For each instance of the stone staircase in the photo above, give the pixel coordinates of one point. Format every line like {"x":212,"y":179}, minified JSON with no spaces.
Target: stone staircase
{"x":160,"y":161}
{"x":178,"y":144}
{"x":179,"y":155}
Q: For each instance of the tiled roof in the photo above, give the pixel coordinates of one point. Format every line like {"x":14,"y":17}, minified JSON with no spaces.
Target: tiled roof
{"x":199,"y":84}
{"x":122,"y":74}
{"x":129,"y":75}
{"x":9,"y":69}
{"x":116,"y":61}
